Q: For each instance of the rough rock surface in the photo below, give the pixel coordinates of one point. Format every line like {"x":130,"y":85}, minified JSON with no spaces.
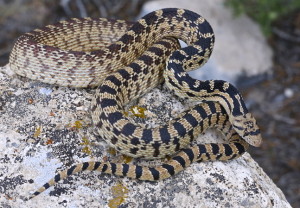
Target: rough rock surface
{"x":45,"y":128}
{"x":240,"y":47}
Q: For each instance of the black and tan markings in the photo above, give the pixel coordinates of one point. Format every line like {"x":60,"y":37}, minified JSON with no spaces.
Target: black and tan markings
{"x":201,"y":152}
{"x":214,"y":90}
{"x":120,"y":88}
{"x":146,"y":40}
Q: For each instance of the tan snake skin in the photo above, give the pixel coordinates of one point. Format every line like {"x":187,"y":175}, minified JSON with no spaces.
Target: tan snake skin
{"x":83,"y":53}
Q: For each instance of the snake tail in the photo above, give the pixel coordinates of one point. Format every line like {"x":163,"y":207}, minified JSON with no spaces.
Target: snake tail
{"x":199,"y":153}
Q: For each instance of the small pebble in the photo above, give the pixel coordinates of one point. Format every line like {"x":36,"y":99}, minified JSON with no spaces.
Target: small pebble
{"x":288,"y":92}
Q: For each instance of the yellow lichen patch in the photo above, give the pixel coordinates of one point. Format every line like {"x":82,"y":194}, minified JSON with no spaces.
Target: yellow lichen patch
{"x":78,"y":124}
{"x":87,"y":150}
{"x":127,"y":159}
{"x":126,"y":113}
{"x":119,"y":192}
{"x":112,"y":151}
{"x":37,"y":132}
{"x":86,"y":142}
{"x":138,"y":111}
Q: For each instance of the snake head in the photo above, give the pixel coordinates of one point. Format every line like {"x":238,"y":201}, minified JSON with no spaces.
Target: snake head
{"x":246,"y":127}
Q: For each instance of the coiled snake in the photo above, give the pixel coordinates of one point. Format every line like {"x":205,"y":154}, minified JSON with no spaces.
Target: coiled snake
{"x":125,"y":60}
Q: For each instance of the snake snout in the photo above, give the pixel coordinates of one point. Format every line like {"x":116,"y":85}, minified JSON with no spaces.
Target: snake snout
{"x":247,"y":128}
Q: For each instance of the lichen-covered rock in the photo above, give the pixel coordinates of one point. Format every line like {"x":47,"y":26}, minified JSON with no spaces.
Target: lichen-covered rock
{"x":46,"y":128}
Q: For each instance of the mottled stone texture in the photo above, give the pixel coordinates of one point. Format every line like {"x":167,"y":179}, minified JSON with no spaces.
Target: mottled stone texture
{"x":44,"y":128}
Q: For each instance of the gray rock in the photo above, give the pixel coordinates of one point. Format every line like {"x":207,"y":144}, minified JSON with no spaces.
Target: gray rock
{"x":45,"y":128}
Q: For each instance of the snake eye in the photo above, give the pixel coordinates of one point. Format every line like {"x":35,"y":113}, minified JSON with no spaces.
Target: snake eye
{"x":247,"y":128}
{"x":249,"y":124}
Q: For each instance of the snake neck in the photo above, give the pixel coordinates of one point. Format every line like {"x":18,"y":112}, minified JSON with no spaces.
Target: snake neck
{"x":178,"y":80}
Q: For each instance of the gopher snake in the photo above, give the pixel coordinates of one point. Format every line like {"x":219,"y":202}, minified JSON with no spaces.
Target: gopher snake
{"x":67,"y":54}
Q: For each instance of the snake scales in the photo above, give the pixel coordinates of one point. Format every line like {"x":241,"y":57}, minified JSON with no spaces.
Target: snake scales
{"x":125,"y":60}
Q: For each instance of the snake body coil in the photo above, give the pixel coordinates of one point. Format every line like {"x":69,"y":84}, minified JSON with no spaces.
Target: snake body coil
{"x":128,"y":68}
